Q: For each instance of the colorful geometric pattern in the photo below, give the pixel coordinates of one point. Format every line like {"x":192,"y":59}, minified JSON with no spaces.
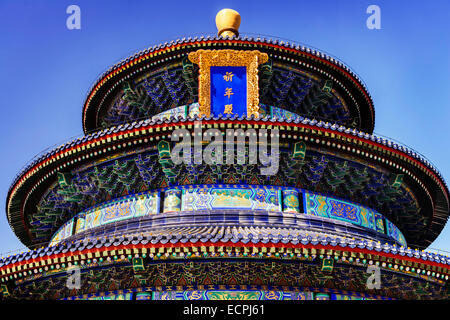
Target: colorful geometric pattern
{"x":126,"y":296}
{"x":225,"y":295}
{"x":120,"y":209}
{"x":280,"y":113}
{"x":192,"y":110}
{"x":64,"y":232}
{"x":273,"y":199}
{"x":231,"y":295}
{"x":394,"y":232}
{"x":379,"y":222}
{"x":348,"y":297}
{"x":231,"y":198}
{"x":171,"y":113}
{"x":184,"y":112}
{"x":328,"y":207}
{"x":337,"y":209}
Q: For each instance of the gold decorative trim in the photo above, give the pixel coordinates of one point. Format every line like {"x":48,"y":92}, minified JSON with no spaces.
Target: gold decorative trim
{"x":233,"y":58}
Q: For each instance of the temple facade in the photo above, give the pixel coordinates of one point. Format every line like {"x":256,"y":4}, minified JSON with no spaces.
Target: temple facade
{"x":227,"y":167}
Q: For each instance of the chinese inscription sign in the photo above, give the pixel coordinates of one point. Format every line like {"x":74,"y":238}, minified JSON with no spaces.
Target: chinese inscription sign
{"x":228,"y":81}
{"x":228,"y":90}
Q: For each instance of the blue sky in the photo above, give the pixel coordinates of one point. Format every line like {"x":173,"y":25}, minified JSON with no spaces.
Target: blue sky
{"x":46,"y":69}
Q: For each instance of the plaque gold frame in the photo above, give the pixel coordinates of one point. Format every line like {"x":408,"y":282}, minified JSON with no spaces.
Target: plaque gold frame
{"x":232,"y":58}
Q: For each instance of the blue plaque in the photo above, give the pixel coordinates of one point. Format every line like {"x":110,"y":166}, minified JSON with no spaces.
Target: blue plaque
{"x":228,"y":90}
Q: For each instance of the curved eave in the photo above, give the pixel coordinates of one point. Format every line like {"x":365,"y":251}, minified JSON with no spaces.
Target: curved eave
{"x":312,"y":60}
{"x":55,"y":257}
{"x":37,"y":177}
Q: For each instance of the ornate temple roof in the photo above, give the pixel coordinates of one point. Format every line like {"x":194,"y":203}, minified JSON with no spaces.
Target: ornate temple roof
{"x":413,"y":270}
{"x":115,"y":204}
{"x":423,"y":180}
{"x":205,"y":235}
{"x":296,"y":78}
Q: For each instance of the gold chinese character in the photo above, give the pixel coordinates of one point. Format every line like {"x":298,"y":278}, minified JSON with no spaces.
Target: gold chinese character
{"x":228,"y":76}
{"x":228,"y":92}
{"x":228,"y":109}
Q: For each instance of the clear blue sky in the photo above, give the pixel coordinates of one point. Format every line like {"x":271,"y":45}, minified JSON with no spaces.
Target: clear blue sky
{"x":46,"y":69}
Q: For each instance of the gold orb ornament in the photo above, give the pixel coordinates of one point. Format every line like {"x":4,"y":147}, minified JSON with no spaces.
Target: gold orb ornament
{"x":228,"y":22}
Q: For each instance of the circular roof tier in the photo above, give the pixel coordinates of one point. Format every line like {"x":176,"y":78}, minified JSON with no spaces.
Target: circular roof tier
{"x":405,"y":273}
{"x":337,"y":161}
{"x":231,"y":206}
{"x":295,"y":78}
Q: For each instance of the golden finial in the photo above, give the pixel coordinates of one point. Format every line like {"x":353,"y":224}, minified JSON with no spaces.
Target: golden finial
{"x":228,"y":22}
